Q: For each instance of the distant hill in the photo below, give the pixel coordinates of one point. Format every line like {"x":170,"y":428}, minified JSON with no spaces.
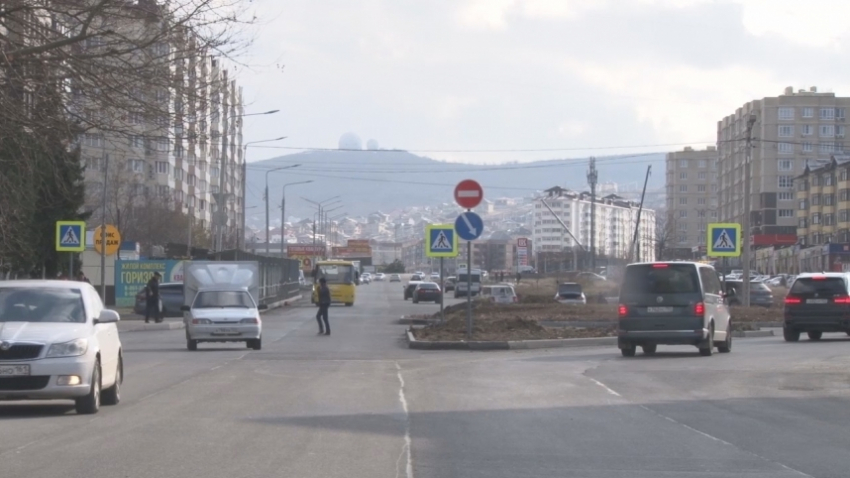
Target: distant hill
{"x":390,"y":181}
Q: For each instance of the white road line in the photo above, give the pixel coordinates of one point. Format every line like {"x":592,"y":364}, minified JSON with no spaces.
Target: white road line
{"x":607,"y":389}
{"x":405,"y":450}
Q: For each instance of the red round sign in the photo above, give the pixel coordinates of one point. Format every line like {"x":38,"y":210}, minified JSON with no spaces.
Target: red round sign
{"x":468,"y":193}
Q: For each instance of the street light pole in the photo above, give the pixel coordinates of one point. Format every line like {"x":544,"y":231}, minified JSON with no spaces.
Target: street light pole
{"x":283,"y":216}
{"x":241,"y":237}
{"x":267,"y":199}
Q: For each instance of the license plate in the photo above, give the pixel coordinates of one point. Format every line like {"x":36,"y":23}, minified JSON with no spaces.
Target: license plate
{"x":659,"y":310}
{"x":226,"y":332}
{"x":816,"y":301}
{"x":14,"y":370}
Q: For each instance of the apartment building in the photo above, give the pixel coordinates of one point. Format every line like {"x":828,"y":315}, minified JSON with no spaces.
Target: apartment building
{"x":615,"y":223}
{"x":790,"y":131}
{"x":692,"y":189}
{"x":823,"y":203}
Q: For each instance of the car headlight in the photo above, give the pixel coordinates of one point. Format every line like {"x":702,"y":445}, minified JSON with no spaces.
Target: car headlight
{"x":69,"y":349}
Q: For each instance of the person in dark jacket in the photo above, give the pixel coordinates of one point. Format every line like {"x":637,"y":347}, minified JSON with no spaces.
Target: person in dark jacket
{"x":152,"y":299}
{"x":324,"y":304}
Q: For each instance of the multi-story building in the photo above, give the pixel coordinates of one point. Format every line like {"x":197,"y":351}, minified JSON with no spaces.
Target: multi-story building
{"x":790,"y":131}
{"x":823,"y":203}
{"x":614,"y":223}
{"x":691,"y":196}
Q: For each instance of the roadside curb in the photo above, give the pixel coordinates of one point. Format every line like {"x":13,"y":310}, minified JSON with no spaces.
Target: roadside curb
{"x":540,"y":344}
{"x":282,"y":303}
{"x":408,"y":321}
{"x":153,"y":327}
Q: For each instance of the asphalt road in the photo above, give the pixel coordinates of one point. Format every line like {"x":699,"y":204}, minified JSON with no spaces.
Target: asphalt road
{"x":358,"y":404}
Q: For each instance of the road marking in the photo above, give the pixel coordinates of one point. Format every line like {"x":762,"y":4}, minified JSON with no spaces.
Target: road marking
{"x":607,"y":389}
{"x":405,"y":450}
{"x":722,"y":441}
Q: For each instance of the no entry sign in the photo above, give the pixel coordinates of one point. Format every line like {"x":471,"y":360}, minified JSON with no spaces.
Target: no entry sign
{"x":468,"y":194}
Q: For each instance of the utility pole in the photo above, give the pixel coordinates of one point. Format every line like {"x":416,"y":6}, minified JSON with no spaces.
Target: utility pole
{"x":592,"y":178}
{"x":745,"y":226}
{"x":636,"y":242}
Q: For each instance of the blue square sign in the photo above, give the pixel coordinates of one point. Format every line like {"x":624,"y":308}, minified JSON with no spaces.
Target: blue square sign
{"x":442,"y":240}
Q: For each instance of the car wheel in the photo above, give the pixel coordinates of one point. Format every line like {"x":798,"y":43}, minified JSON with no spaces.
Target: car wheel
{"x":649,"y":349}
{"x":112,"y":395}
{"x":415,"y":301}
{"x":91,"y":402}
{"x":192,"y":344}
{"x":726,"y":346}
{"x":256,"y":344}
{"x":706,"y":348}
{"x":628,"y":351}
{"x":814,"y":335}
{"x":790,"y":335}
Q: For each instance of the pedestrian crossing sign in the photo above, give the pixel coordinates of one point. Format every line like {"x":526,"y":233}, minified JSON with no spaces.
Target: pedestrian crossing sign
{"x":724,"y":240}
{"x":441,"y":240}
{"x":70,"y":236}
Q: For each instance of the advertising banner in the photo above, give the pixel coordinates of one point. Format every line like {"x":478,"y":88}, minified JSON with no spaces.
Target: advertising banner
{"x":522,"y":251}
{"x":132,"y":276}
{"x":305,"y":253}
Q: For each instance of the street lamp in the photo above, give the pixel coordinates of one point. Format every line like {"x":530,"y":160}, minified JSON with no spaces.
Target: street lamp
{"x":321,"y":205}
{"x":325,"y":220}
{"x":267,"y":198}
{"x":283,"y":216}
{"x":333,"y":225}
{"x":241,"y":237}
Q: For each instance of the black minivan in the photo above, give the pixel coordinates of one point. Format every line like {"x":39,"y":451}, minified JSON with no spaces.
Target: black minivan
{"x":817,"y":303}
{"x":673,"y":303}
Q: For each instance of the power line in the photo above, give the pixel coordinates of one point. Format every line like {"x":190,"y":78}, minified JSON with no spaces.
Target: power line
{"x":497,"y":150}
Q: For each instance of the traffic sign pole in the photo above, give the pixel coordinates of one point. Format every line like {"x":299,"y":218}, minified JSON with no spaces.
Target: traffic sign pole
{"x":442,"y":291}
{"x":468,"y":290}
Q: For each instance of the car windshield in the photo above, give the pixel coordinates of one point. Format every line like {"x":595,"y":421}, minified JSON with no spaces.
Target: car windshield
{"x":29,"y":304}
{"x":336,"y":273}
{"x":661,"y":279}
{"x":222,"y":299}
{"x":824,"y":287}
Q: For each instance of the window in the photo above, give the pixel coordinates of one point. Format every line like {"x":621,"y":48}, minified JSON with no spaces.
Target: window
{"x":840,"y":130}
{"x":701,"y":163}
{"x":93,"y":139}
{"x":178,"y":150}
{"x":803,"y":205}
{"x":163,"y":144}
{"x":827,"y":180}
{"x":826,"y":148}
{"x":701,"y":213}
{"x":808,"y":147}
{"x":683,"y":163}
{"x":202,"y":204}
{"x":137,"y":141}
{"x":786,"y":165}
{"x":162,"y":167}
{"x":827,"y":130}
{"x":135,"y":118}
{"x":700,"y":188}
{"x":840,"y":113}
{"x":785,"y":181}
{"x":683,"y":188}
{"x":190,"y":180}
{"x":214,"y":171}
{"x":844,"y":195}
{"x":828,"y":199}
{"x":683,"y":175}
{"x":682,"y":238}
{"x":786,"y":113}
{"x":803,"y":222}
{"x":844,"y":215}
{"x":786,"y":213}
{"x":683,"y":226}
{"x":713,"y":214}
{"x":815,"y":199}
{"x":702,"y":175}
{"x":786,"y":148}
{"x":93,"y":163}
{"x":178,"y":174}
{"x":714,"y":165}
{"x":829,"y":219}
{"x":808,"y":112}
{"x":683,"y":201}
{"x":202,"y":186}
{"x":136,"y":165}
{"x":827,"y":113}
{"x":816,"y":218}
{"x":683,"y":213}
{"x":785,"y":196}
{"x":162,"y":191}
{"x":786,"y":131}
{"x":807,"y":130}
{"x":714,"y":188}
{"x":701,"y":201}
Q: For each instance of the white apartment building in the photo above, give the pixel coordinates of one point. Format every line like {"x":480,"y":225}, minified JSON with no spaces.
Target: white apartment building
{"x":790,"y":131}
{"x":615,"y":223}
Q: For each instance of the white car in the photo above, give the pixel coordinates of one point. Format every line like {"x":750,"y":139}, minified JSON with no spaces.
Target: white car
{"x":570,"y":293}
{"x":499,"y":294}
{"x":379,"y":277}
{"x":435,"y":277}
{"x":57,"y":341}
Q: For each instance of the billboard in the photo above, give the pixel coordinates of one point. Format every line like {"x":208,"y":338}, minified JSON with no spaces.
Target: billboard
{"x":522,"y":251}
{"x":132,"y":276}
{"x":305,"y":253}
{"x":359,"y":246}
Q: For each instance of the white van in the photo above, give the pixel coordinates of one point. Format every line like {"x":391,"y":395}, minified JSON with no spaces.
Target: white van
{"x":499,"y":294}
{"x":462,"y":279}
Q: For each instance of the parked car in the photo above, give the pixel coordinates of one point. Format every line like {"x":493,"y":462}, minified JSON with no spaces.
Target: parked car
{"x":380,"y":276}
{"x":760,"y":293}
{"x":435,"y":277}
{"x":395,"y":278}
{"x":817,"y":303}
{"x":365,"y":278}
{"x":409,"y":288}
{"x":499,"y":294}
{"x":427,"y":291}
{"x":417,"y":277}
{"x":59,"y":343}
{"x":450,"y":283}
{"x":672,"y":303}
{"x":570,"y":293}
{"x":171,"y":294}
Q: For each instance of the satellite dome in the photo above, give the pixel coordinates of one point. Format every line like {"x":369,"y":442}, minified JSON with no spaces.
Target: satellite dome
{"x":372,"y":145}
{"x":350,"y":141}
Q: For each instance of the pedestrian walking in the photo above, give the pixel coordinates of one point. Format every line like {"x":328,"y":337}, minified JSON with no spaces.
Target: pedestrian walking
{"x":518,"y":277}
{"x":153,"y":305}
{"x":324,"y":304}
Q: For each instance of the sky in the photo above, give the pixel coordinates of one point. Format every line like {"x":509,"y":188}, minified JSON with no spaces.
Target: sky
{"x":523,"y":80}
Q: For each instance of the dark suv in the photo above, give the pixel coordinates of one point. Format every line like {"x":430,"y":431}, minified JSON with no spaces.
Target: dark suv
{"x":672,"y":303}
{"x":817,"y":303}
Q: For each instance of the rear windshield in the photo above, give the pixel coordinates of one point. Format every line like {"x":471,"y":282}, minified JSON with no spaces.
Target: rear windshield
{"x":826,"y":287}
{"x":661,"y":279}
{"x":464,"y":278}
{"x":569,"y":289}
{"x":428,"y":285}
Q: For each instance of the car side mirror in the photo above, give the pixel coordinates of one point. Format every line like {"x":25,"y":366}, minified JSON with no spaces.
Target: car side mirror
{"x":107,"y":317}
{"x":262,"y":307}
{"x":185,"y":308}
